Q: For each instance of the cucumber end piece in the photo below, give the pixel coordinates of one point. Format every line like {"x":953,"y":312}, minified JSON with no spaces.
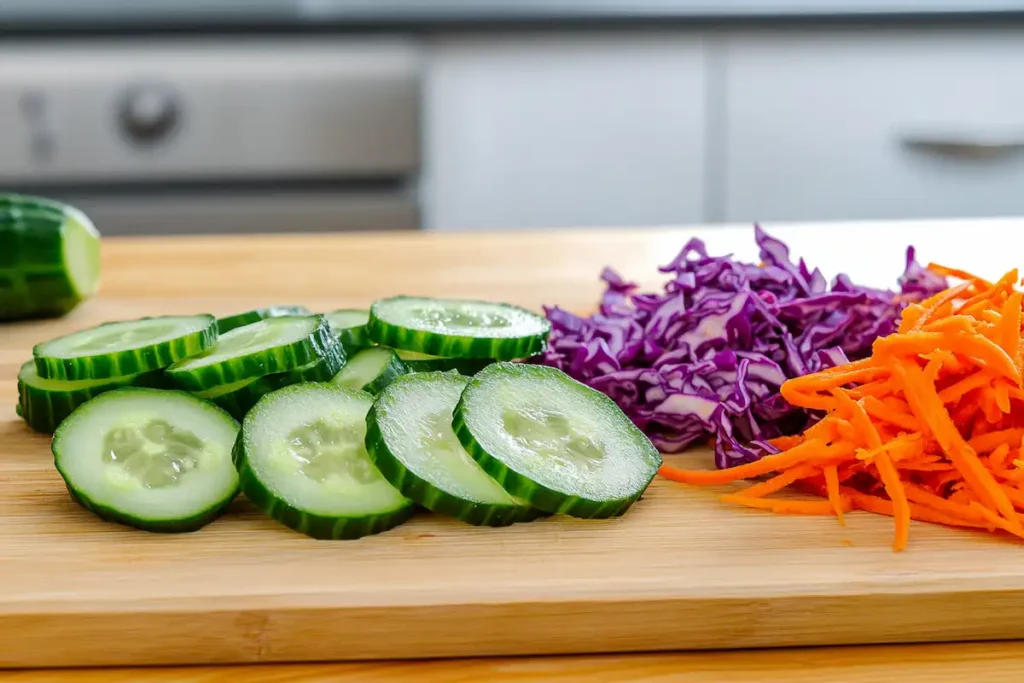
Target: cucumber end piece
{"x":81,"y":252}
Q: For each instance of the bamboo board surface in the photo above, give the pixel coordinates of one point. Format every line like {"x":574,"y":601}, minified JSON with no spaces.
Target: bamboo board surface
{"x":679,"y":571}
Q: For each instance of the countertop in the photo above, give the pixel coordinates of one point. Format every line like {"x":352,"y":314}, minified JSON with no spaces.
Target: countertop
{"x":554,"y":267}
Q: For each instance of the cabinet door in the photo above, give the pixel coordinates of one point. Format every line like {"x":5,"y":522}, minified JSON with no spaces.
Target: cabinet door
{"x":874,"y":124}
{"x":540,"y":130}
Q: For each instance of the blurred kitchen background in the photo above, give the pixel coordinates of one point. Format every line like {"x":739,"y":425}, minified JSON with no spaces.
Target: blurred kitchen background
{"x":196,"y":116}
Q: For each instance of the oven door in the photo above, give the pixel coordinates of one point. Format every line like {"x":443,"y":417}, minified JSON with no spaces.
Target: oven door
{"x":230,"y":134}
{"x":249,"y":212}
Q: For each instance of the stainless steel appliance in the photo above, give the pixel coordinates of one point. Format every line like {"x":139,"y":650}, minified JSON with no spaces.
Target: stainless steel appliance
{"x":234,"y":134}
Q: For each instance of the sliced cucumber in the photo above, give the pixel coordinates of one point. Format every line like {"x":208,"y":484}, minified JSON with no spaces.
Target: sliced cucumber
{"x":49,"y":257}
{"x":302,"y":460}
{"x":264,"y":347}
{"x":232,"y":322}
{"x":44,"y":403}
{"x":239,"y":397}
{"x":422,"y":362}
{"x":349,"y":326}
{"x":125,"y":348}
{"x":370,"y":370}
{"x":410,"y":439}
{"x":152,"y":459}
{"x":457,"y":328}
{"x":554,"y":442}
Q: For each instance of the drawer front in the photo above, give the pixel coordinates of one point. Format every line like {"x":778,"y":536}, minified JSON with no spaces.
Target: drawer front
{"x":874,"y":124}
{"x":564,"y":129}
{"x":190,"y":110}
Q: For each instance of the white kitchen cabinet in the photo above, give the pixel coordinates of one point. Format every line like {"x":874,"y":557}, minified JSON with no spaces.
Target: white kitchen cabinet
{"x":564,"y":129}
{"x":895,"y":123}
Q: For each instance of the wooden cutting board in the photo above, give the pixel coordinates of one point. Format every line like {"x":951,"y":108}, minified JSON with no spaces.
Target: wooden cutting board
{"x":679,"y":571}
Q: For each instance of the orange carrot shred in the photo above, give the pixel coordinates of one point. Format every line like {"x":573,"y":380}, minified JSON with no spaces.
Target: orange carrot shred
{"x":930,"y":427}
{"x":997,"y":460}
{"x":786,"y":507}
{"x":1009,"y":337}
{"x":959,"y":274}
{"x":778,"y":482}
{"x":835,"y":497}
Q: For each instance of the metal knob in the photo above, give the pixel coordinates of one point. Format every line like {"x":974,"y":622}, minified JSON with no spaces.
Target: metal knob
{"x":148,"y":114}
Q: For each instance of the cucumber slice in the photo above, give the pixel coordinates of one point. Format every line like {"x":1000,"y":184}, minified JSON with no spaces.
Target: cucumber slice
{"x":232,"y":322}
{"x":49,"y":257}
{"x":554,"y":442}
{"x":410,"y":439}
{"x":45,"y":403}
{"x":370,"y":370}
{"x":457,"y":328}
{"x":302,"y":460}
{"x":152,"y":459}
{"x":422,"y":362}
{"x":125,"y":348}
{"x":349,"y":326}
{"x":264,"y":347}
{"x":239,"y":397}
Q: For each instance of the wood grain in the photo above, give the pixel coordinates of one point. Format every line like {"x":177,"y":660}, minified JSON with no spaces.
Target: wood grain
{"x":680,"y":571}
{"x":988,"y":662}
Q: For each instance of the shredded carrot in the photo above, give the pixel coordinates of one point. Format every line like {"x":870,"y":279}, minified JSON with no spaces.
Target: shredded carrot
{"x":997,"y":460}
{"x":835,"y":496}
{"x":930,"y":427}
{"x":786,"y":507}
{"x":777,"y":483}
{"x":960,"y":274}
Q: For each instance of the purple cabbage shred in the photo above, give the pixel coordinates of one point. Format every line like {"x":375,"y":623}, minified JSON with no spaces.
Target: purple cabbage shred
{"x":705,"y":358}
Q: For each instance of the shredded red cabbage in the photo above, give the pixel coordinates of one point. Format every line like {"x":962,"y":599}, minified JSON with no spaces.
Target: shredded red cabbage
{"x":706,"y":357}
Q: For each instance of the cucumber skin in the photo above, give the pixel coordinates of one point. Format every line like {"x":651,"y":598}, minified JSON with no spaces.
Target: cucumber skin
{"x":464,"y":366}
{"x":43,"y":410}
{"x":316,"y":526}
{"x":453,"y":346}
{"x":535,"y":494}
{"x":538,"y":495}
{"x":131,"y":362}
{"x":422,"y":493}
{"x":230,"y":322}
{"x":354,"y":339}
{"x":33,"y":280}
{"x":241,"y":401}
{"x":395,"y":368}
{"x":176,"y":526}
{"x":318,"y":344}
{"x":170,"y":526}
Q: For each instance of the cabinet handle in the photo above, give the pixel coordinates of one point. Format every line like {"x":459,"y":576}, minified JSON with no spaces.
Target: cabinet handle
{"x":965,"y":146}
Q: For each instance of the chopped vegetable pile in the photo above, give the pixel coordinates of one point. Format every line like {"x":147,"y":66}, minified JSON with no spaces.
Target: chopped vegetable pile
{"x":349,"y":421}
{"x":929,"y":427}
{"x":706,"y":357}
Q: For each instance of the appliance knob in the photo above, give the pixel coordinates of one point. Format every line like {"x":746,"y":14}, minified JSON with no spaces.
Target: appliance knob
{"x":148,"y":113}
